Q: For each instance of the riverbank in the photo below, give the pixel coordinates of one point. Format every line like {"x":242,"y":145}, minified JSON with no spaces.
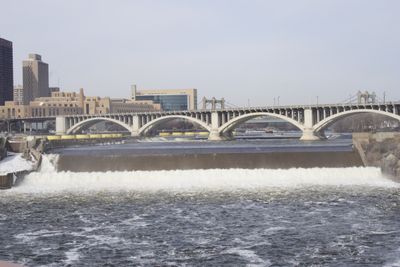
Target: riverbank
{"x":15,"y":166}
{"x":380,"y":150}
{"x":20,"y":156}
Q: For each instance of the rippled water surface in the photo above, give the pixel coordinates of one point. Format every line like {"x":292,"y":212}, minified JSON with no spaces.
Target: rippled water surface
{"x":309,"y":225}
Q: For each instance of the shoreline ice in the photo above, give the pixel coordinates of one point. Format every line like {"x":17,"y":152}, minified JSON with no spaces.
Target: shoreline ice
{"x":15,"y":163}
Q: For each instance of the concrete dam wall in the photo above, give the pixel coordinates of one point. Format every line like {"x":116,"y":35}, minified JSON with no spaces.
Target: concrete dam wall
{"x":273,"y":160}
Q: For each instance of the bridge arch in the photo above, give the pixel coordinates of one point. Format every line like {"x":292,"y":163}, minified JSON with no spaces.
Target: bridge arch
{"x":228,"y":126}
{"x":77,"y":126}
{"x":334,"y":118}
{"x":160,"y":120}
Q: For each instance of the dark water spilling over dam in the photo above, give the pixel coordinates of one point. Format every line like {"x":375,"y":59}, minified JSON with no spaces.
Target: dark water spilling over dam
{"x":342,"y":215}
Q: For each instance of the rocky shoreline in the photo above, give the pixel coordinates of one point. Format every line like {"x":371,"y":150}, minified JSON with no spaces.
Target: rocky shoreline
{"x":380,"y":150}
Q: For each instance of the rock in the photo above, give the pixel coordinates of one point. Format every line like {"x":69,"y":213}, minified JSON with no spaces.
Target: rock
{"x":389,"y":164}
{"x":397,"y":153}
{"x":26,"y":154}
{"x":385,"y":147}
{"x":391,"y":159}
{"x":384,"y":151}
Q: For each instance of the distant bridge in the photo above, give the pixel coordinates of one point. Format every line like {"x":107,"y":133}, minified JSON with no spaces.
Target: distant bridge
{"x":310,"y":119}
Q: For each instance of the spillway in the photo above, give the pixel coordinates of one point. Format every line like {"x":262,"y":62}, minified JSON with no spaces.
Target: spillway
{"x":51,"y":180}
{"x":204,"y":155}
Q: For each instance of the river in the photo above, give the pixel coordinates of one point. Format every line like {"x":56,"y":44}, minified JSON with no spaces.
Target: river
{"x":259,"y":217}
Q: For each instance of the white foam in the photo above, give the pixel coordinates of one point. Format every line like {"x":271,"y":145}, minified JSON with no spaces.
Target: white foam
{"x":72,"y":256}
{"x":48,"y":180}
{"x":249,"y":255}
{"x":29,"y":237}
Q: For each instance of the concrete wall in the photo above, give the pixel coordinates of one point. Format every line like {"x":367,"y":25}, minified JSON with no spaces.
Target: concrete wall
{"x":279,"y":160}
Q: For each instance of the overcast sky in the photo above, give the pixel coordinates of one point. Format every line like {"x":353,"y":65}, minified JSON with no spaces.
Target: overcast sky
{"x":244,"y":50}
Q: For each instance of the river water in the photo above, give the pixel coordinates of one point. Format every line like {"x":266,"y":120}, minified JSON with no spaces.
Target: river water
{"x":235,"y":217}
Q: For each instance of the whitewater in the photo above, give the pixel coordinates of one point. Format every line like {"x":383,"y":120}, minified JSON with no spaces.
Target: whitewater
{"x":48,"y":180}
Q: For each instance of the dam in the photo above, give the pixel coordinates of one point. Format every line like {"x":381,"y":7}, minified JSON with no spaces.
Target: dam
{"x":147,"y":156}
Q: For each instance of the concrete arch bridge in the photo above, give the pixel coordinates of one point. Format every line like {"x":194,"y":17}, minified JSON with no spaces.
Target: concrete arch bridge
{"x":310,"y":119}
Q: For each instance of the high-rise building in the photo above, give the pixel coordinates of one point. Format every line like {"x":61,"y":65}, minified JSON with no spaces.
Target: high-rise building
{"x":19,"y":94}
{"x":169,"y":99}
{"x":6,"y":71}
{"x":35,"y":78}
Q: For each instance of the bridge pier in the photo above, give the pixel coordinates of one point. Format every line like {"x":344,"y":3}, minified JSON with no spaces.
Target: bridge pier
{"x":308,"y":130}
{"x":135,"y":126}
{"x":61,"y":125}
{"x":309,"y":135}
{"x":215,"y":136}
{"x":135,"y":133}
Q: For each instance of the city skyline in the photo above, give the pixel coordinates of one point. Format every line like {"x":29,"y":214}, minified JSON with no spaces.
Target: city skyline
{"x":247,"y":52}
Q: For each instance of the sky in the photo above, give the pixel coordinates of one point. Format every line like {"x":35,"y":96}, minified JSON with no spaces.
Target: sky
{"x":251,"y":52}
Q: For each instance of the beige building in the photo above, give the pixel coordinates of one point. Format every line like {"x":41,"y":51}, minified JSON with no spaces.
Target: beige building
{"x":35,"y":76}
{"x":69,"y":103}
{"x":18,"y":94}
{"x":60,"y":103}
{"x":98,"y":105}
{"x":169,"y":99}
{"x":121,"y":105}
{"x":11,"y":109}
